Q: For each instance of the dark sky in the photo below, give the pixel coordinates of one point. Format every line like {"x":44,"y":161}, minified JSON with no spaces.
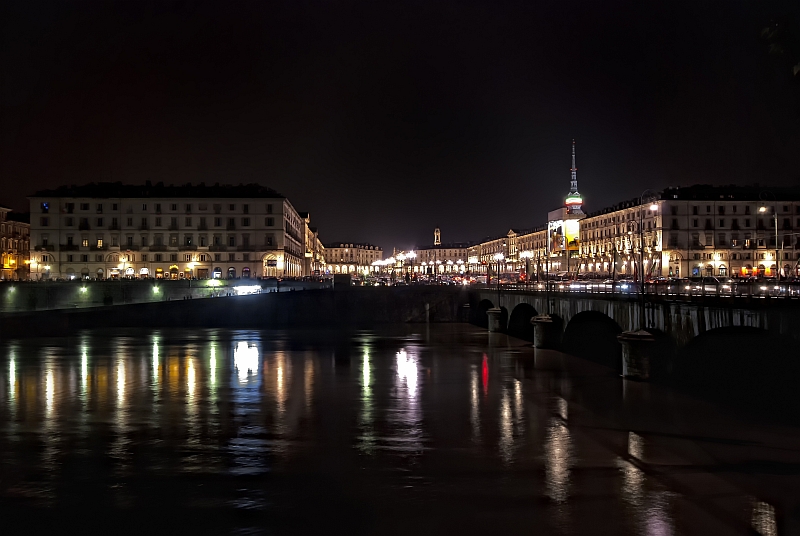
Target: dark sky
{"x":385,"y":119}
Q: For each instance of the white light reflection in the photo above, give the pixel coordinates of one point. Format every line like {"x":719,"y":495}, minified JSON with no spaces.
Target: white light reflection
{"x":763,"y":520}
{"x":212,"y":364}
{"x":558,"y":455}
{"x":407,"y":370}
{"x":366,"y":441}
{"x":245,"y":361}
{"x":120,"y":382}
{"x":474,"y":415}
{"x":12,"y":379}
{"x":506,"y":429}
{"x":84,"y":370}
{"x":190,"y":380}
{"x":49,"y":393}
{"x":407,"y":434}
{"x":155,"y":362}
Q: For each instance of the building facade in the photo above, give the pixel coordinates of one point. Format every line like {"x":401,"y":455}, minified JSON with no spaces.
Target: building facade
{"x":14,"y":246}
{"x":698,"y":230}
{"x":113,"y":230}
{"x":352,"y":258}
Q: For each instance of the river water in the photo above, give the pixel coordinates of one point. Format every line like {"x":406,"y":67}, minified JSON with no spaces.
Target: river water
{"x":407,"y":429}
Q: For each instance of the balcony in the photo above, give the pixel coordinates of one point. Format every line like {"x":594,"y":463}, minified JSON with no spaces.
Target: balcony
{"x":68,"y":247}
{"x":158,"y":247}
{"x":44,"y":247}
{"x":144,"y":227}
{"x":246,"y":248}
{"x":202,"y":227}
{"x":217,"y":248}
{"x":98,"y":248}
{"x":84,"y":227}
{"x":231,"y":227}
{"x":173,"y":227}
{"x":114,"y":227}
{"x":187,"y":247}
{"x":130,"y":247}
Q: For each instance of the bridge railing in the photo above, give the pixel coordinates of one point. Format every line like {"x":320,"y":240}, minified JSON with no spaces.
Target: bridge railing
{"x":667,"y":290}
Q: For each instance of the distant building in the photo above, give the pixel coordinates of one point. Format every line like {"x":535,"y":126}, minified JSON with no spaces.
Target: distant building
{"x":441,"y":258}
{"x":14,"y":245}
{"x":352,"y":257}
{"x":111,"y":230}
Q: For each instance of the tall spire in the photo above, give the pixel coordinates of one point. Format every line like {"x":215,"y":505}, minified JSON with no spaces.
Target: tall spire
{"x":574,"y":200}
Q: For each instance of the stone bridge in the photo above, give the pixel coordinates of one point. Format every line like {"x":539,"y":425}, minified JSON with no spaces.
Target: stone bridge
{"x":710,"y":339}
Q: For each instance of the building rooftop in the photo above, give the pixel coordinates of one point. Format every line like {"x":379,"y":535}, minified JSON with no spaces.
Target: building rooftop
{"x":451,"y":245}
{"x":19,"y":217}
{"x":109,"y":190}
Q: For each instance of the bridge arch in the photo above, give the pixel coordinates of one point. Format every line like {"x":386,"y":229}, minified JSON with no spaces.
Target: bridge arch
{"x":519,"y":324}
{"x":750,"y":367}
{"x":593,"y":335}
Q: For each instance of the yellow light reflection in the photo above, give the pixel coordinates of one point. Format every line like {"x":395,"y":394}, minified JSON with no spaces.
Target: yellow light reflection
{"x":308,"y":381}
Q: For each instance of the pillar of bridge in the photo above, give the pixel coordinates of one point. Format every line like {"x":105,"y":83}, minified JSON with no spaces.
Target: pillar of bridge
{"x":494,"y":314}
{"x":638,"y":354}
{"x":547,"y":331}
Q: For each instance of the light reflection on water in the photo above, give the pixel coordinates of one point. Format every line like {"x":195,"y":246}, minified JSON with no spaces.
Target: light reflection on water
{"x":219,"y":404}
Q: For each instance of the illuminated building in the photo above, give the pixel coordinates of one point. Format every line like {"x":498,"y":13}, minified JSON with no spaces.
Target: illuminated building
{"x":110,"y":230}
{"x":448,"y":258}
{"x":352,"y":257}
{"x":14,"y":245}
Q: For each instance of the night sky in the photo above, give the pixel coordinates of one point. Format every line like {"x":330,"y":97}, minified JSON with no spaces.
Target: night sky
{"x":386,"y":119}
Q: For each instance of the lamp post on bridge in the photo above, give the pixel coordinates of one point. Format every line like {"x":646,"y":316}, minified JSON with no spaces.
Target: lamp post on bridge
{"x":638,"y":347}
{"x":763,"y":210}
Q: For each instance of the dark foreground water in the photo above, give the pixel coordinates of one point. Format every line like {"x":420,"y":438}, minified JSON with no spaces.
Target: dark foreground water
{"x":407,"y":430}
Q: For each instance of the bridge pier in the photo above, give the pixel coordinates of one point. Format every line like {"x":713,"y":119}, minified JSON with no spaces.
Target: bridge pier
{"x":494,"y":314}
{"x":638,"y":349}
{"x":547,"y":331}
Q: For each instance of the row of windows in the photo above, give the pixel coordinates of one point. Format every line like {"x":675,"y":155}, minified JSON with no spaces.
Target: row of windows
{"x":188,"y":221}
{"x":158,"y":240}
{"x":157,"y":257}
{"x":174,"y":207}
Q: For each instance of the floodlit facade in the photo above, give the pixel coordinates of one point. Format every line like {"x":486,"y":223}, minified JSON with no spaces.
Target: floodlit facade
{"x":698,"y":230}
{"x":111,"y":230}
{"x":14,"y":246}
{"x":352,"y":257}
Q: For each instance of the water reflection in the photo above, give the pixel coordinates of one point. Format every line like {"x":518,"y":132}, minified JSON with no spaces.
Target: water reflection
{"x":763,"y":519}
{"x":558,"y":455}
{"x":247,"y":448}
{"x":389,"y":415}
{"x":367,"y":438}
{"x":405,"y":414}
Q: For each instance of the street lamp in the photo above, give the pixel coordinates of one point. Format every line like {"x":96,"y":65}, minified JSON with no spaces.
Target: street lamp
{"x":653,"y":207}
{"x":411,"y":255}
{"x":527,"y":256}
{"x":763,"y":210}
{"x":498,"y":257}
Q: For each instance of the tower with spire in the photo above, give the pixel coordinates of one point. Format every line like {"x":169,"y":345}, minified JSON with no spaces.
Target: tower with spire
{"x":574,"y":200}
